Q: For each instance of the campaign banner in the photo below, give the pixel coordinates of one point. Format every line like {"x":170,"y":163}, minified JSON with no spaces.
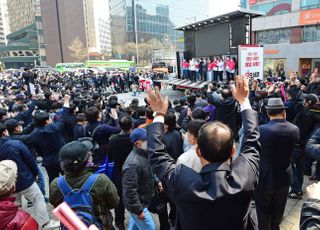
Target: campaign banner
{"x":251,"y":61}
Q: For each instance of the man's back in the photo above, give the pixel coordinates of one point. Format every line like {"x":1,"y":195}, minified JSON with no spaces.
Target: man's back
{"x":277,"y":138}
{"x":219,"y":197}
{"x":19,"y":153}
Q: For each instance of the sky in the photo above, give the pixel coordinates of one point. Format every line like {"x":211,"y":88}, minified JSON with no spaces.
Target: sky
{"x":218,"y":7}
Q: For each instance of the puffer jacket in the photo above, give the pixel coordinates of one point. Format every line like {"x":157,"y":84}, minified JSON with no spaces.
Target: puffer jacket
{"x":13,"y":218}
{"x":313,"y":145}
{"x":137,"y":181}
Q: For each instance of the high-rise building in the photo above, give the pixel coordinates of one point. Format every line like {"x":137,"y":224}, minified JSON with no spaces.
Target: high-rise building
{"x":42,"y":31}
{"x":65,"y":20}
{"x":289,"y":32}
{"x":142,"y":20}
{"x":5,"y":29}
{"x":25,"y":45}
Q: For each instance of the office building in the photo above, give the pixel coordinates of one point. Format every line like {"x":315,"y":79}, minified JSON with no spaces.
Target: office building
{"x":41,"y":31}
{"x":25,"y":45}
{"x":65,"y":20}
{"x":142,"y":20}
{"x":290,"y":33}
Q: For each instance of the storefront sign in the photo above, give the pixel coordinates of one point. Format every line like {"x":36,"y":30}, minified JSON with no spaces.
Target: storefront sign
{"x":251,"y":2}
{"x":251,"y":61}
{"x":308,"y":17}
{"x":271,"y":51}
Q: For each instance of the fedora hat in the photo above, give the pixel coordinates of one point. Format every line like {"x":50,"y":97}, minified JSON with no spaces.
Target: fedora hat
{"x":275,"y":103}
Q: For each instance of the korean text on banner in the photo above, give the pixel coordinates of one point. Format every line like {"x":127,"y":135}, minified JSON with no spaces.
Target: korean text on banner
{"x":251,"y":61}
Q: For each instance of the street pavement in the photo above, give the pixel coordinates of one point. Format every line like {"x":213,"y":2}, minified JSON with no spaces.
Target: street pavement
{"x":172,"y":94}
{"x":293,"y":207}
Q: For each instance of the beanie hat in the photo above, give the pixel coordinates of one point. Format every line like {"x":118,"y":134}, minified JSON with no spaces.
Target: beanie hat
{"x":8,"y":176}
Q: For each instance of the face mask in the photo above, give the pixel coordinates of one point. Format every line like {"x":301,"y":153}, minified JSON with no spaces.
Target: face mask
{"x":144,"y":145}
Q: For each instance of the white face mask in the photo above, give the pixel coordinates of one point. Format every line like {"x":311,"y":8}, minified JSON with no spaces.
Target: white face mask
{"x":144,"y":145}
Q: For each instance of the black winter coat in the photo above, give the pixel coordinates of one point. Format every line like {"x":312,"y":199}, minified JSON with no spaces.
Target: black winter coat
{"x":137,"y":182}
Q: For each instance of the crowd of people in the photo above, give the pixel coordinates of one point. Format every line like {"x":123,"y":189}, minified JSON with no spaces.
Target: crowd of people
{"x":226,"y":157}
{"x":206,"y":69}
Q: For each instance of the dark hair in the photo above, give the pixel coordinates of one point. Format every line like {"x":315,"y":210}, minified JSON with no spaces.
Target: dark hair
{"x":176,"y":102}
{"x":141,"y":111}
{"x":215,"y":141}
{"x":40,"y":118}
{"x":191,"y":99}
{"x":199,"y":114}
{"x":198,"y":94}
{"x":56,"y":105}
{"x":183,"y":101}
{"x":92,"y":114}
{"x":149,"y":113}
{"x":170,"y":121}
{"x":274,"y":112}
{"x":225,"y":93}
{"x":194,"y":126}
{"x":125,"y":123}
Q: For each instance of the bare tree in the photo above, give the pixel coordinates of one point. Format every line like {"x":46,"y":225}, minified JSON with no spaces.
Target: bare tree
{"x":77,"y":50}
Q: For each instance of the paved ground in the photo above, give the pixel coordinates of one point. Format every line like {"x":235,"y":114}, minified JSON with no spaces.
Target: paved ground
{"x":293,"y":207}
{"x":292,"y":212}
{"x":173,"y":94}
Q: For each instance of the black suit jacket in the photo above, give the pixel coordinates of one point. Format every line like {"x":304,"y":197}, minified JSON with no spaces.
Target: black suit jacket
{"x":217,"y":198}
{"x":278,"y":139}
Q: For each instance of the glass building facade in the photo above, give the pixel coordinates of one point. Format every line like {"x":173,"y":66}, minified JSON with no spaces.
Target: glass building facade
{"x":144,"y":19}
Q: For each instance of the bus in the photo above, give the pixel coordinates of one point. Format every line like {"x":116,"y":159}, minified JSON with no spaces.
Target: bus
{"x":110,"y":64}
{"x":63,"y":67}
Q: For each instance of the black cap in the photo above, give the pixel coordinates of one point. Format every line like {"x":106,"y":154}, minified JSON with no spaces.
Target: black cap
{"x":11,"y":124}
{"x":3,"y":112}
{"x":76,"y":151}
{"x":2,"y":127}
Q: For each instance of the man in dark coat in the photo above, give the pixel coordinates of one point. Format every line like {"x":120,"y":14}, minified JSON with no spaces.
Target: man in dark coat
{"x":278,"y":139}
{"x":219,"y":196}
{"x":226,"y":110}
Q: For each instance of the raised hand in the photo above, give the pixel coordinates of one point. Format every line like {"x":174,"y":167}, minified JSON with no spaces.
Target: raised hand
{"x":240,"y":91}
{"x":156,"y":101}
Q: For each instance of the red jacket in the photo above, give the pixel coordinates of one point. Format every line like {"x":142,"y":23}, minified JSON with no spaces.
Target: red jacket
{"x":13,"y":218}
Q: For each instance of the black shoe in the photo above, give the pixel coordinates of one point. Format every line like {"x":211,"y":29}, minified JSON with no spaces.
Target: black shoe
{"x":314,"y":177}
{"x":295,"y":195}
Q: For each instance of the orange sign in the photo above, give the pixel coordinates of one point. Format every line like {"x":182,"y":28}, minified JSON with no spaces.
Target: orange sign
{"x":308,"y":17}
{"x":271,"y":51}
{"x":251,"y":2}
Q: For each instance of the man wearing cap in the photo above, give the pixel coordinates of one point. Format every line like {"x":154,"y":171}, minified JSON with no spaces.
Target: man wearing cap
{"x":12,"y":217}
{"x":278,"y":139}
{"x":138,"y":183}
{"x":75,"y":161}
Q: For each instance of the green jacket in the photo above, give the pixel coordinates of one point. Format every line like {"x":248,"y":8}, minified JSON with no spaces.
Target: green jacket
{"x":104,"y":194}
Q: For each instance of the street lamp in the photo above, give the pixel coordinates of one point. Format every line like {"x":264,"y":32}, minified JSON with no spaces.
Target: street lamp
{"x":136,"y":29}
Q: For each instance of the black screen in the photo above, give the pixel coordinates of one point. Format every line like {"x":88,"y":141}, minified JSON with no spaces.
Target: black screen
{"x":213,"y":40}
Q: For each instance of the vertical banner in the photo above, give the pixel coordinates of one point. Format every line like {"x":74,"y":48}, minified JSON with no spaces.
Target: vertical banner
{"x":251,"y":61}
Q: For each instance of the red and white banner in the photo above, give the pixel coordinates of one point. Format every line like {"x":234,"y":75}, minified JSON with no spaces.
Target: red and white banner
{"x":251,"y":61}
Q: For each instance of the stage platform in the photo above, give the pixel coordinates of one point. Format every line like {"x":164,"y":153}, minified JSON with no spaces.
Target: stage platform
{"x":184,"y":84}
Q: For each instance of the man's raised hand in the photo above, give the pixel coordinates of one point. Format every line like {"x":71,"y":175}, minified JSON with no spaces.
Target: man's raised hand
{"x":240,"y":90}
{"x":156,"y":101}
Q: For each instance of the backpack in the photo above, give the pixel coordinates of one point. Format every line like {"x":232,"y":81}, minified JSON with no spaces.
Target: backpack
{"x":80,"y":200}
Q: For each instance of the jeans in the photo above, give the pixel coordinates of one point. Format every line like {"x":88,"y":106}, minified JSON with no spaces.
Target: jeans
{"x":34,"y":195}
{"x":146,"y":224}
{"x":297,"y":169}
{"x":308,"y":161}
{"x":41,"y":180}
